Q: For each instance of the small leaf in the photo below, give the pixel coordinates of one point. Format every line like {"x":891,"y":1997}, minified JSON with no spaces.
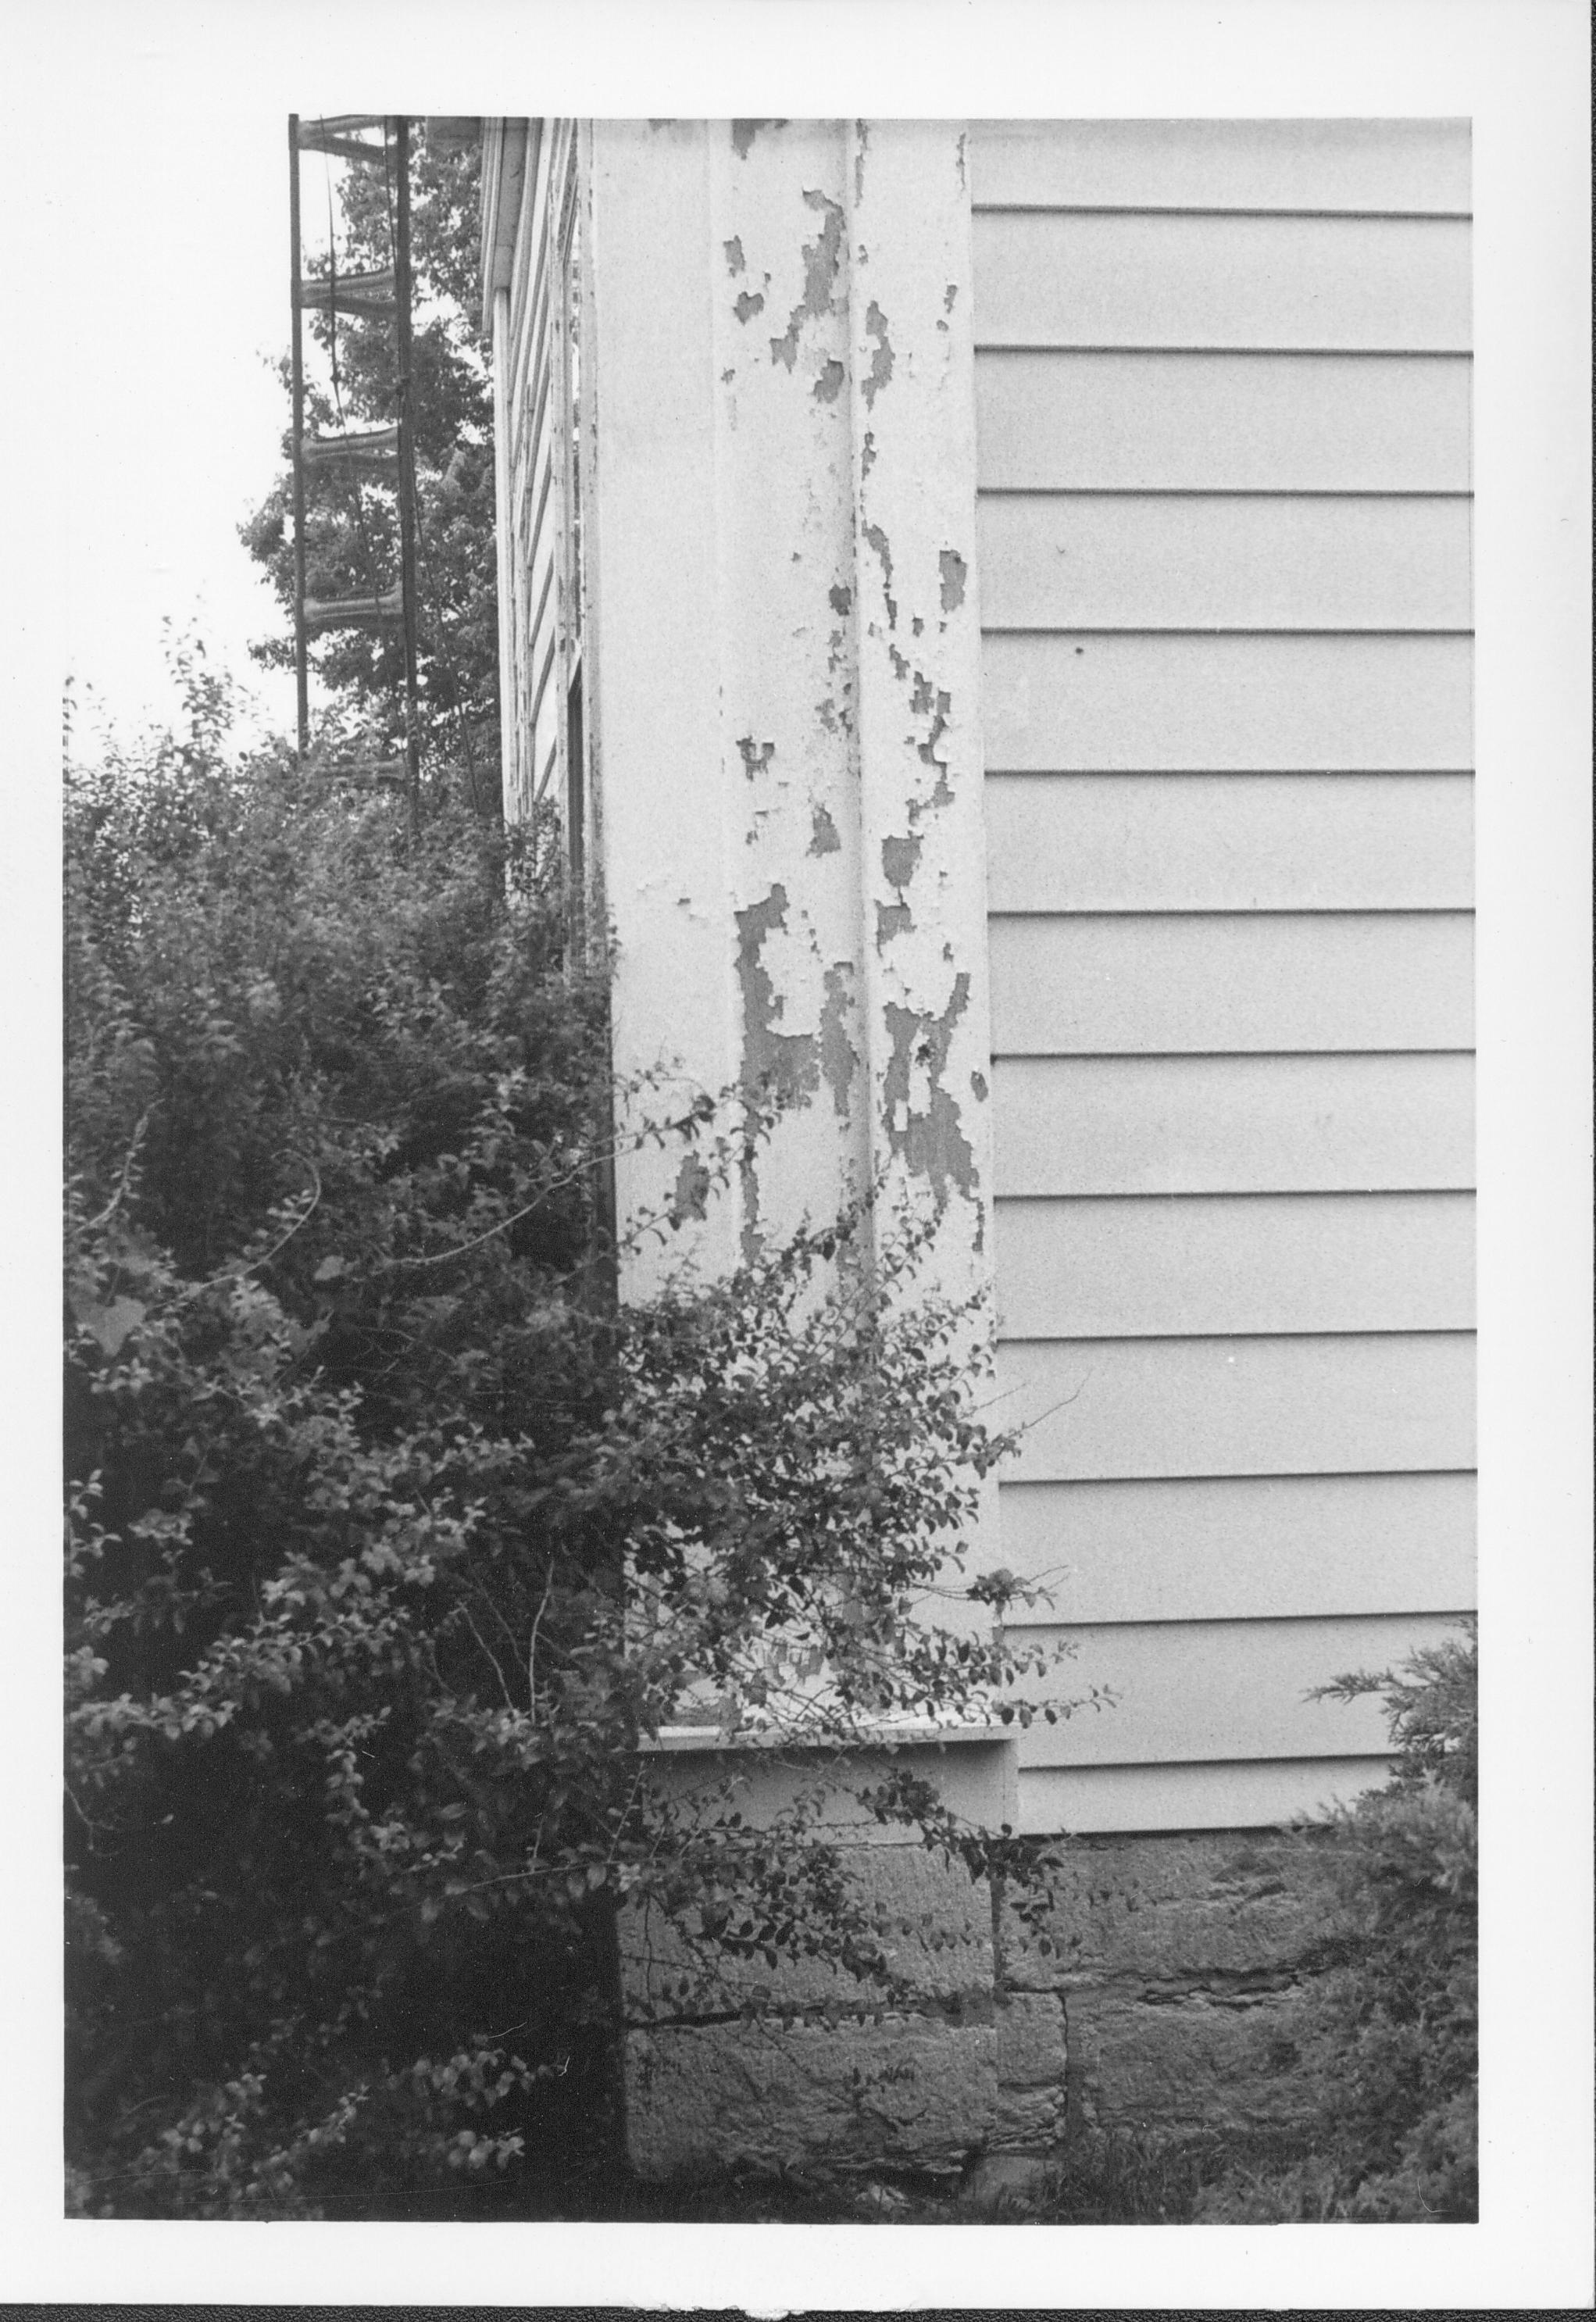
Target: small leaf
{"x":330,"y":1269}
{"x":110,"y":1324}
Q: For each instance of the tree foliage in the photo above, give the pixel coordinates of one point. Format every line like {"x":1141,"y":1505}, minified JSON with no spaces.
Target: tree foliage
{"x":351,"y":529}
{"x":390,"y":1535}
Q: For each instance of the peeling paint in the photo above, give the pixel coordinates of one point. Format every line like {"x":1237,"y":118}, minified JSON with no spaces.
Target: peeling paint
{"x":822,"y":259}
{"x":726,"y":377}
{"x":892,"y":919}
{"x":734,"y":251}
{"x":899,"y":857}
{"x":748,"y":304}
{"x":867,"y":458}
{"x":916,"y":627}
{"x":863,"y":148}
{"x":955,"y":573}
{"x":880,"y":542}
{"x":839,"y":1058}
{"x":826,"y":711}
{"x":881,"y":360}
{"x":929,"y":1140}
{"x":823,"y":830}
{"x":756,"y":756}
{"x":829,"y":385}
{"x":948,"y":297}
{"x":939,"y":705}
{"x":690,"y":1195}
{"x":782,"y":1065}
{"x":978,"y":1081}
{"x":743,"y":134}
{"x":840,"y":599}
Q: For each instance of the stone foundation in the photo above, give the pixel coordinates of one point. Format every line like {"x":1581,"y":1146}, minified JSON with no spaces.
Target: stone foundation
{"x":1159,"y":1997}
{"x":1180,"y":1964}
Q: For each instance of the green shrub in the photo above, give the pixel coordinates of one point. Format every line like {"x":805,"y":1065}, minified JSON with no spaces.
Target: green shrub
{"x":391,"y":1534}
{"x":1390,"y":2040}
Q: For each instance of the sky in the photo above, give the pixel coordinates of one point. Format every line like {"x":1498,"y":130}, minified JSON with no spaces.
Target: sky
{"x":173,"y":412}
{"x":143,"y":286}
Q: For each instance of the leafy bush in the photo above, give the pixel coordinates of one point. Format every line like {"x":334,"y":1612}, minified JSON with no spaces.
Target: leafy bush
{"x":391,"y":1534}
{"x":1391,"y":2044}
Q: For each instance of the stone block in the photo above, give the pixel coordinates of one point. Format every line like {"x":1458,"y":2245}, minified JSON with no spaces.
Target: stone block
{"x":1192,"y":2066}
{"x":1179,"y":1909}
{"x":909,"y":2091}
{"x":1031,"y":2045}
{"x":935,"y":1924}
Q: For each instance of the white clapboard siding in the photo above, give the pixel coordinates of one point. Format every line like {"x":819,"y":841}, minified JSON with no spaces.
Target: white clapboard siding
{"x":1233,"y":1124}
{"x":1212,"y":842}
{"x":1075,"y":278}
{"x":1210,"y":422}
{"x":1208,"y":560}
{"x":1242,"y":703}
{"x":1193,"y":1692}
{"x":1240,"y":1547}
{"x":1243,"y":1794}
{"x":1198,"y":1265}
{"x":1223,"y":412}
{"x":1221,"y":983}
{"x":1368,"y":166}
{"x":1348,"y":1404}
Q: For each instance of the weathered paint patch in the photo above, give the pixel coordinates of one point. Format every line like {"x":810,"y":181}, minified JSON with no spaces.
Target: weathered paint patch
{"x":926,"y":751}
{"x":878,"y":539}
{"x":743,"y":134}
{"x":780,"y":1068}
{"x":898,"y":858}
{"x":690,"y":1195}
{"x":840,"y":599}
{"x":882,"y":360}
{"x":867,"y":457}
{"x":734,"y":251}
{"x":955,"y":573}
{"x":755,"y":755}
{"x":822,"y":259}
{"x":948,"y":297}
{"x":839,"y":1058}
{"x":978,"y":1081}
{"x":823,"y":830}
{"x":892,"y":919}
{"x":829,"y":385}
{"x":748,"y":304}
{"x":927,"y":1137}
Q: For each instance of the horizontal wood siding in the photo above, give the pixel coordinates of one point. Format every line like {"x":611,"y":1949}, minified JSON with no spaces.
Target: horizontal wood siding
{"x":1220,"y":1548}
{"x":1364,"y":168}
{"x":1191,"y":1692}
{"x":1222,"y":409}
{"x":1235,"y":701}
{"x":1117,"y":983}
{"x":1093,"y":278}
{"x":1275,"y":561}
{"x":1233,"y":1792}
{"x":532,"y":548}
{"x":1342,"y":1403}
{"x":1222,"y":422}
{"x":1169,"y":1124}
{"x":1151,"y":1266}
{"x":1209,"y":843}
